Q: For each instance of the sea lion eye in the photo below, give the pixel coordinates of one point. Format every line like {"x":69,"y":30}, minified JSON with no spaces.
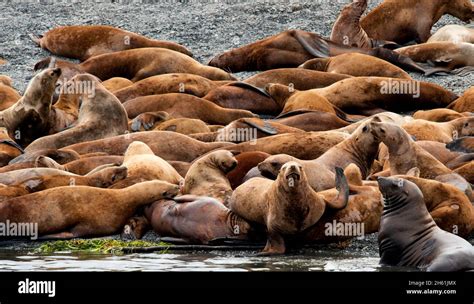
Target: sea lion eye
{"x":365,"y":129}
{"x":382,"y":130}
{"x":274,"y":164}
{"x":466,"y":124}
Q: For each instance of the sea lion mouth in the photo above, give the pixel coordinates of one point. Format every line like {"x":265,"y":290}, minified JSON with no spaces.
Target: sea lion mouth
{"x":292,"y":178}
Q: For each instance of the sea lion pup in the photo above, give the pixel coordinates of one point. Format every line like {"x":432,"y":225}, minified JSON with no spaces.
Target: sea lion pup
{"x":101,"y":115}
{"x":463,"y":144}
{"x":347,"y":30}
{"x":188,"y":217}
{"x":8,"y":95}
{"x":412,"y":19}
{"x":405,"y":154}
{"x":184,"y":106}
{"x":165,"y":144}
{"x":439,"y":115}
{"x":84,"y":41}
{"x":246,"y":129}
{"x":465,"y":103}
{"x":28,"y":117}
{"x":140,"y":161}
{"x":169,"y":83}
{"x":82,"y":211}
{"x":207,"y":176}
{"x":245,"y":162}
{"x":359,"y":149}
{"x":9,"y":149}
{"x":243,"y":96}
{"x":300,"y":79}
{"x":443,"y":132}
{"x":116,"y":83}
{"x":309,"y":120}
{"x":409,"y":237}
{"x":306,"y":145}
{"x":453,"y":33}
{"x":372,"y":95}
{"x":138,"y":64}
{"x":286,"y":206}
{"x":449,"y":207}
{"x":103,"y":178}
{"x":356,"y":64}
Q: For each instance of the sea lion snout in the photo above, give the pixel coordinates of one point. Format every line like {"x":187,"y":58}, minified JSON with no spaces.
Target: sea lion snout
{"x":172,"y":192}
{"x":292,"y":172}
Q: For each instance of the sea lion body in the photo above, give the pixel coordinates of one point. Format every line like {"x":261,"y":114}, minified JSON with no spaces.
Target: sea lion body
{"x":453,"y":33}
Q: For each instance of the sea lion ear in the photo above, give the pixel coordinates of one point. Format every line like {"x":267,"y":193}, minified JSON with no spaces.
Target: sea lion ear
{"x":455,"y":134}
{"x":415,"y":171}
{"x":235,"y":152}
{"x":376,"y":119}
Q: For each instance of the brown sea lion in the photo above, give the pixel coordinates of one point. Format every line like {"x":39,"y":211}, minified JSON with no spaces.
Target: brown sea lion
{"x":101,"y":115}
{"x":116,"y":83}
{"x":453,"y":33}
{"x":188,"y":217}
{"x":68,"y":212}
{"x":168,"y":83}
{"x":165,"y":144}
{"x":307,"y":145}
{"x":443,"y":132}
{"x":467,"y":171}
{"x":147,"y":121}
{"x":409,"y":237}
{"x":412,"y":19}
{"x":138,"y":64}
{"x":83,"y":166}
{"x":465,"y":103}
{"x":356,"y":64}
{"x":439,"y":115}
{"x":9,"y":149}
{"x":207,"y":176}
{"x":308,"y":120}
{"x":20,"y":176}
{"x":7,"y":192}
{"x":299,"y":79}
{"x":183,"y":105}
{"x":28,"y":118}
{"x":245,"y":162}
{"x":286,"y":206}
{"x":84,"y":41}
{"x":140,"y":161}
{"x":8,"y":95}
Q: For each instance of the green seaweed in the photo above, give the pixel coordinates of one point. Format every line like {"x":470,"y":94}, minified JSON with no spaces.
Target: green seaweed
{"x":98,"y":246}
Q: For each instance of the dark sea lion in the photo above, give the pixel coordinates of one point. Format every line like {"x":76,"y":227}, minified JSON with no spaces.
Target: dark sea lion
{"x":412,"y":19}
{"x":183,"y":105}
{"x":84,"y":41}
{"x":245,"y":162}
{"x":286,"y":206}
{"x":409,"y":237}
{"x":356,"y":64}
{"x":68,"y":212}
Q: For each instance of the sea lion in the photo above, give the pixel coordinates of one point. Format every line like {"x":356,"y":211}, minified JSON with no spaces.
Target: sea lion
{"x":356,"y":64}
{"x":245,"y":162}
{"x":183,"y":105}
{"x":9,"y":149}
{"x":61,"y":156}
{"x":116,"y":83}
{"x":286,"y":206}
{"x":409,"y":237}
{"x":465,"y":103}
{"x":140,"y":161}
{"x":443,"y":132}
{"x":347,"y":30}
{"x":101,"y":115}
{"x":207,"y":176}
{"x":83,"y":166}
{"x":20,"y":176}
{"x":463,"y":144}
{"x":447,"y":55}
{"x":439,"y":115}
{"x":147,"y":121}
{"x":165,"y":144}
{"x":189,"y":217}
{"x":7,"y":192}
{"x":453,"y":33}
{"x":85,"y":41}
{"x":138,"y":64}
{"x":306,"y":145}
{"x":467,"y":171}
{"x":243,"y":96}
{"x":450,"y":159}
{"x":299,"y":79}
{"x":8,"y":95}
{"x":412,"y":19}
{"x":183,"y":126}
{"x":371,"y":95}
{"x":27,"y":119}
{"x":68,"y":212}
{"x":103,"y":178}
{"x":308,"y":120}
{"x":168,"y":83}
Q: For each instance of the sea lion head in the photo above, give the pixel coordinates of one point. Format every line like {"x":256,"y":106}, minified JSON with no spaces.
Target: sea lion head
{"x":398,"y":192}
{"x":108,"y":176}
{"x":42,"y":85}
{"x":291,"y":174}
{"x":462,"y":9}
{"x":316,"y":64}
{"x":271,"y":166}
{"x":364,"y":135}
{"x":224,"y":160}
{"x":467,"y":128}
{"x":390,"y":134}
{"x":137,"y":148}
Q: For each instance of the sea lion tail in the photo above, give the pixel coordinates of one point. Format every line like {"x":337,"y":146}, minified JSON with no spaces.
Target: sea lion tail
{"x":36,"y":39}
{"x":318,"y":47}
{"x":340,"y":202}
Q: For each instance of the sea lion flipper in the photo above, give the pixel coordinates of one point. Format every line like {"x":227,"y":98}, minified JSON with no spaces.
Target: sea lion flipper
{"x":35,"y":39}
{"x":266,"y":128}
{"x":319,"y":47}
{"x":340,"y":202}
